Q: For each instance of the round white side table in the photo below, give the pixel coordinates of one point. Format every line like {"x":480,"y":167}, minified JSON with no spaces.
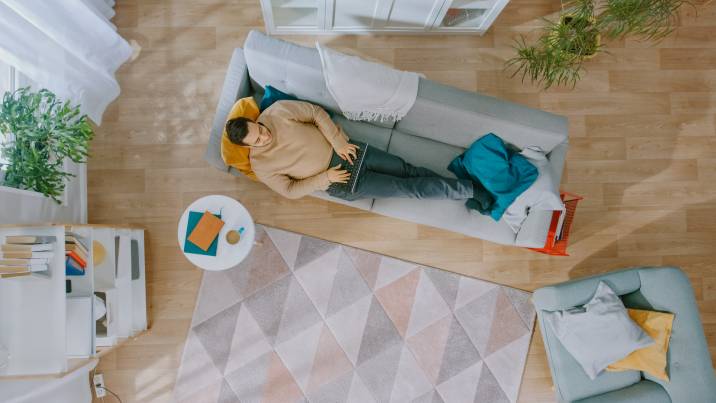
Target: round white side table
{"x":235,"y":216}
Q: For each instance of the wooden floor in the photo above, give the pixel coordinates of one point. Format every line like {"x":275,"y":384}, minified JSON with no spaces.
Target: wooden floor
{"x":642,"y":153}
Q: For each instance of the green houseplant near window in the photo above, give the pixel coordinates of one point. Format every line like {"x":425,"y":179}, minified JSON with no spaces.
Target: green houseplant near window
{"x":558,"y":56}
{"x":40,"y":132}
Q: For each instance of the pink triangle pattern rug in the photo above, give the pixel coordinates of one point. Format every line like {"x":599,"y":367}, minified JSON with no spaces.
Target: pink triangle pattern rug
{"x":307,"y":320}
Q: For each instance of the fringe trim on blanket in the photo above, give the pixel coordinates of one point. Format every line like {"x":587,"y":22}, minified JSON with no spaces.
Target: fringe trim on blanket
{"x":373,"y":116}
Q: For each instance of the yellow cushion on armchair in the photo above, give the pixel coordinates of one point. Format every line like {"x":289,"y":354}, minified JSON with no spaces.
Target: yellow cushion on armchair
{"x":235,"y":155}
{"x":652,"y":359}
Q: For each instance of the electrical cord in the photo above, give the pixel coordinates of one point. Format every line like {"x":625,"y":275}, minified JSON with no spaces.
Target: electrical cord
{"x":106,"y":390}
{"x":113,"y":394}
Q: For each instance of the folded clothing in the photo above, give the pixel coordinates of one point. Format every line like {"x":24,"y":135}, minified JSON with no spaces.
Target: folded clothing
{"x":501,"y":171}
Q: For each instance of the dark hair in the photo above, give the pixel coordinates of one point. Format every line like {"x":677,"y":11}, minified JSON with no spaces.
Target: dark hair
{"x":237,"y":129}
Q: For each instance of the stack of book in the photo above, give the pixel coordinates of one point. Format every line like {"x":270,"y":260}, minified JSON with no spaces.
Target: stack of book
{"x":202,"y":233}
{"x":25,"y":254}
{"x":75,"y":255}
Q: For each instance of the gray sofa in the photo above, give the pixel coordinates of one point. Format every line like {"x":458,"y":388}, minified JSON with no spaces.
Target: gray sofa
{"x":442,"y":123}
{"x":665,"y":289}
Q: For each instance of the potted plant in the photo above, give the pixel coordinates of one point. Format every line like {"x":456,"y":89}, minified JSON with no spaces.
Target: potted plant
{"x":558,"y":55}
{"x":40,"y":133}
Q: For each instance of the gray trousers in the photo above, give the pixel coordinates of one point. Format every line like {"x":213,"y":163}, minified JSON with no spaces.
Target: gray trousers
{"x":386,"y":175}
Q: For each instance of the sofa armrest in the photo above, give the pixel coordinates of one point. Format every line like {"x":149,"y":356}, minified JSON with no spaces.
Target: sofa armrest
{"x":236,"y":85}
{"x":533,"y":233}
{"x":577,"y":292}
{"x":556,"y":160}
{"x":640,"y":392}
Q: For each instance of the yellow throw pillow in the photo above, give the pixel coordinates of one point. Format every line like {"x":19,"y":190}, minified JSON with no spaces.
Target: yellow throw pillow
{"x":652,"y":359}
{"x":235,"y":155}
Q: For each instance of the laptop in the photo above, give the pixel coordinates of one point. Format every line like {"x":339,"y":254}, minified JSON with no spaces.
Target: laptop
{"x":354,"y":169}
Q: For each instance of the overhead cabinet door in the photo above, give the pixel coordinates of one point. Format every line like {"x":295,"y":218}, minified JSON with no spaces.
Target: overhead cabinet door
{"x":413,"y":15}
{"x":351,"y":15}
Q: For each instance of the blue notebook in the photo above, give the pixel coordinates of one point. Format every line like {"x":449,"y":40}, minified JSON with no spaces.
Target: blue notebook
{"x":189,"y":247}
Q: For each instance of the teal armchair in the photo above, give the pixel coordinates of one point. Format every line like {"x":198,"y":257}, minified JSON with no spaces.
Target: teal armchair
{"x":665,"y":289}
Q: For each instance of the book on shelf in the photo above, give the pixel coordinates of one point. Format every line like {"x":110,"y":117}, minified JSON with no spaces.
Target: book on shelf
{"x":134,"y":248}
{"x":37,"y":247}
{"x":26,"y":255}
{"x":11,"y":275}
{"x":23,"y":262}
{"x":29,"y":239}
{"x":73,"y":268}
{"x":75,"y":247}
{"x":72,"y":238}
{"x":4,"y":268}
{"x":77,"y":258}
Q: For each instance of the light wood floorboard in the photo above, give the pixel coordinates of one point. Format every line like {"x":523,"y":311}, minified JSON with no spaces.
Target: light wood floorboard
{"x":643,"y":153}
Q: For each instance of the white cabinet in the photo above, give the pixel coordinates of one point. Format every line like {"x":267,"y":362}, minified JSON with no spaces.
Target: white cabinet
{"x":407,"y":15}
{"x":294,"y":15}
{"x":365,"y":16}
{"x":47,"y":324}
{"x":468,"y":15}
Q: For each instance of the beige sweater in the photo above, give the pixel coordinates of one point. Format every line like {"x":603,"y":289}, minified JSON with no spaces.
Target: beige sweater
{"x":294,"y":164}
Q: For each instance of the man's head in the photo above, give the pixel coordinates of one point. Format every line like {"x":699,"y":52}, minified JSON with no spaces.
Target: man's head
{"x":245,"y":132}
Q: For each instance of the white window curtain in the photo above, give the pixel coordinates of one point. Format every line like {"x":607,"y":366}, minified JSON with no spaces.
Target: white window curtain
{"x":67,"y":46}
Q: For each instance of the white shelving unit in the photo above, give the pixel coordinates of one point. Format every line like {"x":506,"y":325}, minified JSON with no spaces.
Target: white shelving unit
{"x":366,"y":16}
{"x":34,"y":320}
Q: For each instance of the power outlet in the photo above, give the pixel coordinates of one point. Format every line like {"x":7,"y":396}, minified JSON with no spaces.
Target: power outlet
{"x":98,"y":382}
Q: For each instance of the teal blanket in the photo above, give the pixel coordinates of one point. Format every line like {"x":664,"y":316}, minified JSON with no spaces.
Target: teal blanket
{"x":504,"y":173}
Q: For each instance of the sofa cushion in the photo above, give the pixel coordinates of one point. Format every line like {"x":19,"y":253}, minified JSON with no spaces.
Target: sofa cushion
{"x":235,"y":155}
{"x":378,"y":137}
{"x":424,"y":152}
{"x":291,"y":68}
{"x":272,"y":95}
{"x":652,"y":359}
{"x":363,"y":204}
{"x":447,"y":214}
{"x":640,"y":392}
{"x":598,"y":333}
{"x":458,"y":117}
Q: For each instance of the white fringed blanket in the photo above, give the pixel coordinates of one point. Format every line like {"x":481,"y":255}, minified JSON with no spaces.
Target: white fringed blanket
{"x":365,"y":90}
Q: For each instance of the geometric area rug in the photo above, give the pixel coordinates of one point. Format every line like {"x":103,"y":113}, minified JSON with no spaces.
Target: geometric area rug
{"x":307,"y":320}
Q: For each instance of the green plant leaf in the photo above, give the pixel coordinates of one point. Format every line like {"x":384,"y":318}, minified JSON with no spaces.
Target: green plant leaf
{"x":44,"y":131}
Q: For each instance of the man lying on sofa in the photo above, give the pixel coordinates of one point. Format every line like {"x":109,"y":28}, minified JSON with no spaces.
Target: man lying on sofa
{"x":292,"y":143}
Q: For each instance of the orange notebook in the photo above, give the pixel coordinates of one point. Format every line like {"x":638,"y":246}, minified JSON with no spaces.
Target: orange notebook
{"x":206,"y":230}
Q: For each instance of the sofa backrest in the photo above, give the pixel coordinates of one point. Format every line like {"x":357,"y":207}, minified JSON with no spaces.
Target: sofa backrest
{"x":457,"y":117}
{"x":291,"y":68}
{"x":443,"y":113}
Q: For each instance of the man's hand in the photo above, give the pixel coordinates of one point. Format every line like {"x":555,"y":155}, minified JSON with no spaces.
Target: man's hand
{"x":348,"y":153}
{"x":338,"y":175}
